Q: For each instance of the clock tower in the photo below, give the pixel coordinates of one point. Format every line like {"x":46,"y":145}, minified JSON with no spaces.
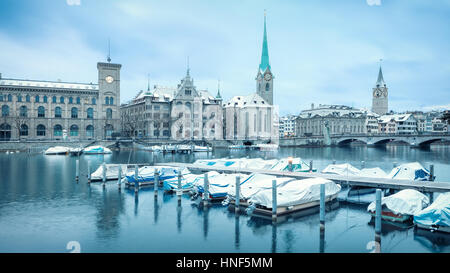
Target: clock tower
{"x":264,"y":77}
{"x":380,"y":96}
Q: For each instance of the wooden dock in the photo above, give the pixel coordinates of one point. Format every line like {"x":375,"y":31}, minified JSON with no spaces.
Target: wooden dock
{"x":379,"y":183}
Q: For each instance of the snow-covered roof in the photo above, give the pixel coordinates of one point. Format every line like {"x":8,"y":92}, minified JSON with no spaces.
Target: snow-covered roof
{"x":395,"y":117}
{"x":48,"y":84}
{"x":246,"y":101}
{"x":332,"y":110}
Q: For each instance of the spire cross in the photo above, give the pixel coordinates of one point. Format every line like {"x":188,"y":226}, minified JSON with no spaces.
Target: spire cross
{"x":109,"y":51}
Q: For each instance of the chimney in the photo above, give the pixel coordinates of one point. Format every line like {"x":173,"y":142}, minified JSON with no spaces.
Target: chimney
{"x":312,"y":106}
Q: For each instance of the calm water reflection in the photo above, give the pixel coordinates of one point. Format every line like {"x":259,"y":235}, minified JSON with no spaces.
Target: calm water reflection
{"x":42,"y":208}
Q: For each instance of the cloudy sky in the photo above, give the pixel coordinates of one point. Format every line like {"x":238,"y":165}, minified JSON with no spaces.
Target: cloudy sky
{"x":320,"y":51}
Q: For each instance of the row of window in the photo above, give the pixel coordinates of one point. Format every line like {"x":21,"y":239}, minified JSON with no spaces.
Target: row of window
{"x":5,"y":130}
{"x":23,"y":112}
{"x":37,"y":98}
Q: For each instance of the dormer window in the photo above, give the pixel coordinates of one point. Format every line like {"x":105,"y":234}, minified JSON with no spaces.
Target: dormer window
{"x":187,"y":92}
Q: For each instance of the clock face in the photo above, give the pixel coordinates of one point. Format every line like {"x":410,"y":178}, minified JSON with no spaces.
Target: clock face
{"x":109,"y":79}
{"x":377,"y":93}
{"x":267,"y":77}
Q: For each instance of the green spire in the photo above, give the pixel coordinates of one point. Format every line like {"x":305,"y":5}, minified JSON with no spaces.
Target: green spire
{"x":265,"y":51}
{"x":218,"y":96}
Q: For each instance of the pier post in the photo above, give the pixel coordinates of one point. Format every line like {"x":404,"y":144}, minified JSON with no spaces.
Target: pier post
{"x":274,"y":200}
{"x":378,"y":213}
{"x":77,"y":169}
{"x":89,"y":173}
{"x":238,"y":194}
{"x":104,"y":174}
{"x":136,"y":175}
{"x":205,"y":190}
{"x":322,"y":206}
{"x":310,"y":166}
{"x":363,"y":164}
{"x":179,"y":189}
{"x":334,"y":161}
{"x":119,"y":177}
{"x":431,"y":172}
{"x":156,"y":182}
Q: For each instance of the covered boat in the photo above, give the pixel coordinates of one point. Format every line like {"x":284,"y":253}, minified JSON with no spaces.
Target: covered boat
{"x":188,"y":181}
{"x":146,"y":175}
{"x":202,"y":148}
{"x":96,"y":150}
{"x":342,"y":169}
{"x":112,"y":171}
{"x":372,"y":172}
{"x":255,"y":183}
{"x":401,"y":206}
{"x":295,"y":195}
{"x":436,"y":216}
{"x":219,"y":185}
{"x":410,"y":171}
{"x":57,"y":150}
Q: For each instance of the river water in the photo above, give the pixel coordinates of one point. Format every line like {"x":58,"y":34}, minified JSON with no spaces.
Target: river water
{"x":43,"y":209}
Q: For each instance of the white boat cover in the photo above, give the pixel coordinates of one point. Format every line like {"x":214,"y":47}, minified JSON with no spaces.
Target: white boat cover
{"x":409,"y":171}
{"x":407,"y":201}
{"x":201,"y":148}
{"x":342,"y":169}
{"x":254,"y":183}
{"x":147,"y":174}
{"x":57,"y":150}
{"x":296,"y":192}
{"x":112,"y":171}
{"x":219,"y":184}
{"x":188,"y":180}
{"x":437,"y":214}
{"x":97,"y":150}
{"x":372,"y":172}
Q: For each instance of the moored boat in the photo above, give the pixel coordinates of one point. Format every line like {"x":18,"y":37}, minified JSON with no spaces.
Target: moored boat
{"x":96,"y":150}
{"x":57,"y":150}
{"x":435,"y":217}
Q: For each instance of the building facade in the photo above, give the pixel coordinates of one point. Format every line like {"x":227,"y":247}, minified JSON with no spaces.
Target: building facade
{"x":56,"y":110}
{"x":339,"y":119}
{"x":287,"y":126}
{"x":181,"y":113}
{"x":402,"y":124}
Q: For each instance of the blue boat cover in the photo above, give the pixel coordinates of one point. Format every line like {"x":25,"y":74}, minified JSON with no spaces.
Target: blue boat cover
{"x":437,"y":214}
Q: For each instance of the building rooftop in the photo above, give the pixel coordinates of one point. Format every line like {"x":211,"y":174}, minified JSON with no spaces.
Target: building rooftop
{"x":47,"y":84}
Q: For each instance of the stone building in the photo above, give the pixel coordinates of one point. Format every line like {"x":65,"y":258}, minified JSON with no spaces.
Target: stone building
{"x":56,"y":110}
{"x":254,"y":116}
{"x":339,"y":119}
{"x":181,"y":113}
{"x":403,"y":124}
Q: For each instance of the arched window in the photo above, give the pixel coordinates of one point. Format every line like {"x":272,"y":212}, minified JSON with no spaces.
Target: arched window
{"x":61,"y":99}
{"x":23,"y":111}
{"x":267,"y":86}
{"x":23,"y":130}
{"x":5,"y":131}
{"x":111,"y":100}
{"x":27,"y":98}
{"x":19,"y":98}
{"x":41,"y":112}
{"x":94,"y":101}
{"x":5,"y":110}
{"x":57,"y":130}
{"x":107,"y":100}
{"x":9,"y":97}
{"x":74,"y":112}
{"x":40,"y":130}
{"x":54,"y":99}
{"x":109,"y":113}
{"x":58,"y":112}
{"x":74,"y":130}
{"x":90,"y":113}
{"x":78,"y":100}
{"x":109,"y":129}
{"x":70,"y":100}
{"x":36,"y":99}
{"x":45,"y":99}
{"x":90,"y":131}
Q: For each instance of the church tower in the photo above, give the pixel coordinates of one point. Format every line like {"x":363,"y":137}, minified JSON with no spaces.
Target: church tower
{"x":380,"y":96}
{"x":264,"y":78}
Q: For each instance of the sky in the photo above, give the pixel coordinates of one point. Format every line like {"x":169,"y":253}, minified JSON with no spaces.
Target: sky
{"x":321,"y":51}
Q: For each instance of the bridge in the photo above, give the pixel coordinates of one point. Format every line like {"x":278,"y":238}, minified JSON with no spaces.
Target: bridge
{"x":416,"y":140}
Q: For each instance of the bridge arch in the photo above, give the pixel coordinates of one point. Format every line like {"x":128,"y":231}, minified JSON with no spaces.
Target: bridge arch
{"x":347,"y":141}
{"x":429,"y":141}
